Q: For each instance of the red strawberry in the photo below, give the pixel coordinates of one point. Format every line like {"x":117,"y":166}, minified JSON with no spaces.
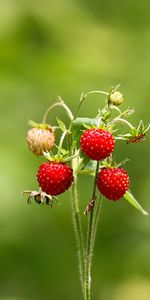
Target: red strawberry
{"x":113,"y":182}
{"x":54,"y":178}
{"x":97,"y":143}
{"x":40,"y":140}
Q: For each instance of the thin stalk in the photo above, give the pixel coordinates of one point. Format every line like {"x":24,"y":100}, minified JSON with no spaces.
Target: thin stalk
{"x":96,"y":92}
{"x":96,"y":220}
{"x":56,"y":104}
{"x":120,"y":120}
{"x":61,"y":142}
{"x":115,"y":108}
{"x":79,"y":236}
{"x":84,"y":96}
{"x":90,"y":243}
{"x":78,"y":226}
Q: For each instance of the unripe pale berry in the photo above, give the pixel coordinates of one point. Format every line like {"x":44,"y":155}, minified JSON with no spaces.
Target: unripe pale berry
{"x":40,"y":140}
{"x":116,"y":98}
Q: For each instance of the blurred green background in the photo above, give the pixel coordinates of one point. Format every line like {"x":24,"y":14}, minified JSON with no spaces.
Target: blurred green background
{"x":66,"y":47}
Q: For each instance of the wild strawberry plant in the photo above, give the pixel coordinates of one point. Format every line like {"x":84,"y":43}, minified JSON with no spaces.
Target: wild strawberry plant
{"x":90,"y":143}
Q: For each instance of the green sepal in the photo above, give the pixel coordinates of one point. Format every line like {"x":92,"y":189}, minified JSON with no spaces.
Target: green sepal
{"x":135,"y":133}
{"x":64,"y":151}
{"x":61,"y":125}
{"x":39,"y":125}
{"x":68,"y":158}
{"x":142,"y":129}
{"x":61,"y":157}
{"x":49,"y":156}
{"x":114,"y":88}
{"x":130,"y":198}
{"x":88,"y":126}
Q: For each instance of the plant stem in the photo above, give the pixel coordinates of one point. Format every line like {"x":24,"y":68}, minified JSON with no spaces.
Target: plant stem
{"x":84,"y":96}
{"x":78,"y":231}
{"x":74,"y":195}
{"x":90,"y":240}
{"x":63,"y":105}
{"x":61,"y":142}
{"x":96,"y":92}
{"x":96,"y":219}
{"x":117,"y":120}
{"x":79,"y":236}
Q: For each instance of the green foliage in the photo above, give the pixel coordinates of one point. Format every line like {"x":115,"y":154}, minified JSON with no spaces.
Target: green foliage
{"x":130,"y":198}
{"x":80,"y":124}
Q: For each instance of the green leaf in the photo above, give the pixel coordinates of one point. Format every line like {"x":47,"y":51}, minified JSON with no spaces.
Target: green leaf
{"x":61,"y":125}
{"x":130,"y":198}
{"x":78,"y":125}
{"x":78,"y":122}
{"x":89,"y":168}
{"x":73,"y":146}
{"x":85,"y":159}
{"x":87,"y":172}
{"x":91,"y":165}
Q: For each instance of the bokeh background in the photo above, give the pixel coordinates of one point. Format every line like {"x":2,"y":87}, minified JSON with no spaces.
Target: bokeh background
{"x":66,"y":47}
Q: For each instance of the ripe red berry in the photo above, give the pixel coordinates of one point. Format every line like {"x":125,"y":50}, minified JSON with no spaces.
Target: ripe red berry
{"x":97,"y":143}
{"x":113,"y":182}
{"x":54,"y":178}
{"x":40,"y":140}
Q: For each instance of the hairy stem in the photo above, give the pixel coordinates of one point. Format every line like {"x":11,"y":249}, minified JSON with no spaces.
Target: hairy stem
{"x":79,"y":237}
{"x":90,"y":240}
{"x":78,"y":233}
{"x":96,"y":220}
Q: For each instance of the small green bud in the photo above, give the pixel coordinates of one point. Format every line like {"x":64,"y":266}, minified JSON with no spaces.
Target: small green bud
{"x":116,"y":98}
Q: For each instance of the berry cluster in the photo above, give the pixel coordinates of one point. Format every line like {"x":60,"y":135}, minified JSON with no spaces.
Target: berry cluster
{"x":55,"y":178}
{"x":96,"y":140}
{"x":89,"y":146}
